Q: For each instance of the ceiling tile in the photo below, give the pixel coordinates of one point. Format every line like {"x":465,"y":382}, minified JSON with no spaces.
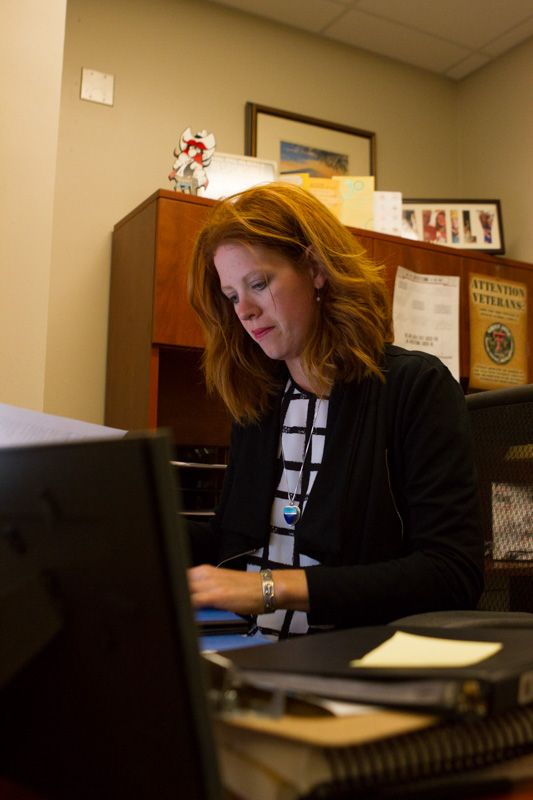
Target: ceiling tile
{"x":510,"y":39}
{"x":451,"y":37}
{"x":465,"y":67}
{"x":394,"y":41}
{"x":472,"y":24}
{"x":308,"y":15}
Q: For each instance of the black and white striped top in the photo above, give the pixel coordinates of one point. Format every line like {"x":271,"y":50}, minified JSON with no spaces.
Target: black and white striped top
{"x":298,"y":412}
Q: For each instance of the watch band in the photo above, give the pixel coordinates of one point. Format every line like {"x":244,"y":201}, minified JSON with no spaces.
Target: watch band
{"x":269,"y":602}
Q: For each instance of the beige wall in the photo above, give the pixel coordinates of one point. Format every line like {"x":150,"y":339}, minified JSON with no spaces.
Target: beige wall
{"x":187,"y":62}
{"x":31,"y":59}
{"x":171,"y":72}
{"x":496,"y":128}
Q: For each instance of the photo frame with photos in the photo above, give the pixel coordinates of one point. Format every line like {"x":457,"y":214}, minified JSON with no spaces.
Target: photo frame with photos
{"x":466,"y":224}
{"x":308,"y":143}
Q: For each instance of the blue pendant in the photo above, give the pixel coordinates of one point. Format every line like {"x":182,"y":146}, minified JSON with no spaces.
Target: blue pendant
{"x":291,"y":514}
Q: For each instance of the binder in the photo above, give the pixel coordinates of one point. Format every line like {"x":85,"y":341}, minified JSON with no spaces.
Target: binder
{"x":384,"y":754}
{"x":320,"y":664}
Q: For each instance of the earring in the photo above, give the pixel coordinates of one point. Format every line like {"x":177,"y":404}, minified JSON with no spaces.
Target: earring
{"x":317,"y":298}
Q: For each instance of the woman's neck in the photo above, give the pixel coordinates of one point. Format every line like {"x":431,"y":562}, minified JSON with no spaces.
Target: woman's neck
{"x":306,"y":382}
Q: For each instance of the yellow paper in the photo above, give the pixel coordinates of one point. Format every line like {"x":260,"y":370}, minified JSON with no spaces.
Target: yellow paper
{"x":356,"y":197}
{"x":498,"y":332}
{"x":327,"y":191}
{"x":411,"y":650}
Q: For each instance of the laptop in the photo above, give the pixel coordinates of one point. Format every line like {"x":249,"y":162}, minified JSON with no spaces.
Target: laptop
{"x":102,"y":690}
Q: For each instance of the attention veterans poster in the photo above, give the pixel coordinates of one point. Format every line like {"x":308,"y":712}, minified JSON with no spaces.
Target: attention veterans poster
{"x":498,"y":332}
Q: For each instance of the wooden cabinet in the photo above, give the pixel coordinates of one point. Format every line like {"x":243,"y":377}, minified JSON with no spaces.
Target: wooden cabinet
{"x":433,"y":259}
{"x":155,"y":344}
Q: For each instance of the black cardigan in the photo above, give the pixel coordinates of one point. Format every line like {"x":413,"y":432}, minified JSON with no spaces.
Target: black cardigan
{"x":393,"y":516}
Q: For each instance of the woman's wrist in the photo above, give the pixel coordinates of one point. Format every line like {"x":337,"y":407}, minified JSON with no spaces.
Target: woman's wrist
{"x":290,"y":589}
{"x":269,"y":594}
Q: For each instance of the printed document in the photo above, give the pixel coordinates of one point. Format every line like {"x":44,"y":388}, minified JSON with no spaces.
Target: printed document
{"x":426,"y":315}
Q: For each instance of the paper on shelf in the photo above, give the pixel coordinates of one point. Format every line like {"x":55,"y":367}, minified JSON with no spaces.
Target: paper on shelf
{"x":356,"y":200}
{"x":388,"y":213}
{"x":411,"y":650}
{"x":21,"y":426}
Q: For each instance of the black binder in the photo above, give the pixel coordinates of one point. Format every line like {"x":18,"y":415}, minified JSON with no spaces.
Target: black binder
{"x":320,"y":664}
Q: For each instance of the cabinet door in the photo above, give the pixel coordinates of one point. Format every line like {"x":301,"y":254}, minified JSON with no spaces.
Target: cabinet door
{"x":178,"y":225}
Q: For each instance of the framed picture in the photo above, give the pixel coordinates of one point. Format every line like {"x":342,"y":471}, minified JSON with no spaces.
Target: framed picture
{"x":468,"y":224}
{"x":302,"y":144}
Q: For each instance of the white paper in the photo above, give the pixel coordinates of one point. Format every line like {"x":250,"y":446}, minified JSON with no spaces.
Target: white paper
{"x":412,"y":650}
{"x":339,"y":708}
{"x":426,"y":315}
{"x":20,"y":426}
{"x":388,"y":213}
{"x":228,"y":174}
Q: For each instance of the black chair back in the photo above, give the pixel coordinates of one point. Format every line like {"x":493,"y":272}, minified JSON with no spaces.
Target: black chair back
{"x":502,"y":431}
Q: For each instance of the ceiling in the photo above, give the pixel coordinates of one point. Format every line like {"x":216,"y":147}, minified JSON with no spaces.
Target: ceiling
{"x":449,"y":37}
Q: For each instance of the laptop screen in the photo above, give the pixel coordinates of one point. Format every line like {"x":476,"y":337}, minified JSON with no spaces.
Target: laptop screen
{"x":101,"y":685}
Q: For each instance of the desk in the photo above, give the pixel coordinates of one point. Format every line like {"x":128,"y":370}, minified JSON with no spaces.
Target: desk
{"x":13,"y":791}
{"x":524,"y":791}
{"x":520,"y":771}
{"x":9,"y":791}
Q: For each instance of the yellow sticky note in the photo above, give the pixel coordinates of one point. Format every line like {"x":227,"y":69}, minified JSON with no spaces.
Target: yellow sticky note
{"x":412,"y":650}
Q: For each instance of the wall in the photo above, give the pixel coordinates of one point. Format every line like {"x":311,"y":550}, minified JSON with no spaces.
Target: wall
{"x":31,"y":59}
{"x":185,"y":62}
{"x":178,"y":63}
{"x":496,"y":125}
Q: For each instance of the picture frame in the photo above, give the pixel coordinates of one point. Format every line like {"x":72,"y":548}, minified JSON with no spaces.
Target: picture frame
{"x":466,"y":224}
{"x":308,"y":144}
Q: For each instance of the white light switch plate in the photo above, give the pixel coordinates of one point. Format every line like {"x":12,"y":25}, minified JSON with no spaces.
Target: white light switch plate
{"x":97,"y":86}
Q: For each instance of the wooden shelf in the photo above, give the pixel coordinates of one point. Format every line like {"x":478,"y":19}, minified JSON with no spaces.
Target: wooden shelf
{"x":154,"y":377}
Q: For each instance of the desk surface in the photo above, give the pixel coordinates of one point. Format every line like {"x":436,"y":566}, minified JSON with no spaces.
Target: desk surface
{"x":524,"y":792}
{"x":521,"y":792}
{"x":9,"y":791}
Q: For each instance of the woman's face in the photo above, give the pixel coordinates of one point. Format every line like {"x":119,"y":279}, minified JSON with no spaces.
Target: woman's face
{"x":274,"y":302}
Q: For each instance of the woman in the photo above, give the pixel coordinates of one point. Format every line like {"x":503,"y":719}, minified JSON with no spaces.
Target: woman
{"x":350,"y":496}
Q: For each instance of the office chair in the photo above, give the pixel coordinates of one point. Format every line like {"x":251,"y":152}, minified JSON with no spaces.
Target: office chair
{"x":502,"y":435}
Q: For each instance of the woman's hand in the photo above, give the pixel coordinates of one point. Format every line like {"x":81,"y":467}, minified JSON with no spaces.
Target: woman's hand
{"x":242,"y":592}
{"x":230,"y":589}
